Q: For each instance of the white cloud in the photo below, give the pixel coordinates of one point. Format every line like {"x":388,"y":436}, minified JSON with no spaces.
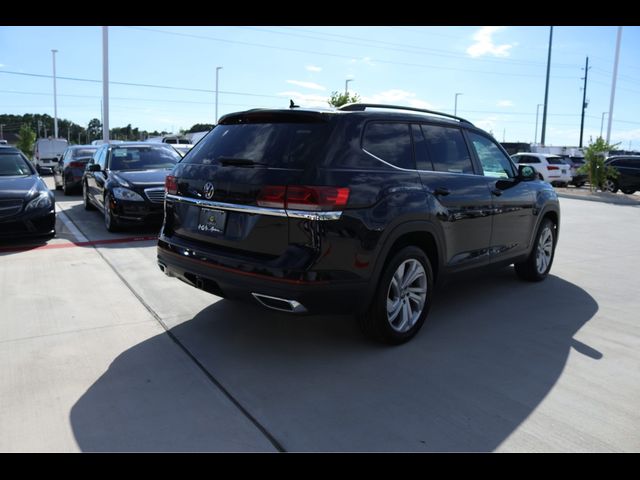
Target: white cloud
{"x":313,"y":68}
{"x":311,"y":85}
{"x":397,"y":97}
{"x":484,"y":44}
{"x":505,"y":103}
{"x":2,"y":65}
{"x":365,"y":60}
{"x":306,"y":99}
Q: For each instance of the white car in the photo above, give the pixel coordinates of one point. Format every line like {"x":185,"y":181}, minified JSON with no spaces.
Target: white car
{"x":550,"y":167}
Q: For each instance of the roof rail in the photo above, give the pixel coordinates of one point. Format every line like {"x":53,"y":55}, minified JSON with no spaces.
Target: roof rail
{"x":360,"y":107}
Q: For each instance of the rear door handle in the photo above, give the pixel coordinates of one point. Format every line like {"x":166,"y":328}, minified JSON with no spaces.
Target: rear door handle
{"x":441,"y":191}
{"x":497,"y":192}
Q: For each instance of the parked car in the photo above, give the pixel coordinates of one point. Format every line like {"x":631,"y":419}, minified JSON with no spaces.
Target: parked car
{"x":577,"y":179}
{"x":27,"y":206}
{"x":126,"y":182}
{"x":628,"y":168}
{"x":550,"y":168}
{"x":47,"y":152}
{"x":358,"y":210}
{"x":67,"y":174}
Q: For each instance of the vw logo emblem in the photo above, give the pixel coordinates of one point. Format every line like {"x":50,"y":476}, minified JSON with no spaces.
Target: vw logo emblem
{"x":208,"y":190}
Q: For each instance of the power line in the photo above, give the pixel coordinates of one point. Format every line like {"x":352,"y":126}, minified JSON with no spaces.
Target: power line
{"x":394,"y":46}
{"x":335,"y":55}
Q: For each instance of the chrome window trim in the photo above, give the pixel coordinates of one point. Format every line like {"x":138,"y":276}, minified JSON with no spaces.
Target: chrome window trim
{"x":274,"y":212}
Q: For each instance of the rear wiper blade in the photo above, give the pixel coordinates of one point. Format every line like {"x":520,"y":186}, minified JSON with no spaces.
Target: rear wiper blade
{"x":238,"y":162}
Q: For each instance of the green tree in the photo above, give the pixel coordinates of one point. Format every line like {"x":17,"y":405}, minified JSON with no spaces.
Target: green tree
{"x":94,"y":129}
{"x":338,"y":99}
{"x":594,"y":165}
{"x":26,"y":138}
{"x":200,"y":127}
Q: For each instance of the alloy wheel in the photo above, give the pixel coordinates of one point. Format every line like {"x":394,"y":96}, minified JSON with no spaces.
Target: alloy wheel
{"x":406,"y":295}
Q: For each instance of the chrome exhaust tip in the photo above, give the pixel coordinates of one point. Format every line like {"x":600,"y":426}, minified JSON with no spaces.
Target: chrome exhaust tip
{"x":280,"y":304}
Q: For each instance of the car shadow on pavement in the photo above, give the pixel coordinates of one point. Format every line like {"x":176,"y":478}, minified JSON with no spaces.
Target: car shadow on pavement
{"x":491,"y":350}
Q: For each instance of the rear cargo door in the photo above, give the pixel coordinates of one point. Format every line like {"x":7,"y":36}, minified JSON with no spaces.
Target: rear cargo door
{"x":229,"y":185}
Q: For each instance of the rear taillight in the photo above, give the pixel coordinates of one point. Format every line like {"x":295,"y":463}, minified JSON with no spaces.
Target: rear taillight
{"x":551,"y":167}
{"x":303,"y":197}
{"x":272,"y":196}
{"x":316,"y":198}
{"x":171,"y":184}
{"x":77,"y":164}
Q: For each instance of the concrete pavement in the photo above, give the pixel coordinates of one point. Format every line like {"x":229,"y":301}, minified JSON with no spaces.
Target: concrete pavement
{"x":501,"y":365}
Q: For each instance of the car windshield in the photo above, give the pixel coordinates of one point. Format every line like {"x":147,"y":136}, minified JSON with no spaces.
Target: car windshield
{"x":13,"y":164}
{"x":143,"y":158}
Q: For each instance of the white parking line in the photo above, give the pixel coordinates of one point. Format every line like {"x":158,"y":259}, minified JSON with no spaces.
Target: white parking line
{"x":72,"y":228}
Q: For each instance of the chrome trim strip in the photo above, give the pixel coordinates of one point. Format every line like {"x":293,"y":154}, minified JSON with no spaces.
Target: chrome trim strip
{"x":309,"y":215}
{"x":296,"y":307}
{"x":276,"y":212}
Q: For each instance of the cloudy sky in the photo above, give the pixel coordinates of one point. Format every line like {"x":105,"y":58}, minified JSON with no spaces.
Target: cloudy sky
{"x":164,"y":77}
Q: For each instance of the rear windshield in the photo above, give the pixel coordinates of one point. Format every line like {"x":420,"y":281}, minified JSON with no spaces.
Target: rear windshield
{"x":13,"y":164}
{"x":84,"y":152}
{"x":555,"y":161}
{"x":282,"y":145}
{"x":143,"y":158}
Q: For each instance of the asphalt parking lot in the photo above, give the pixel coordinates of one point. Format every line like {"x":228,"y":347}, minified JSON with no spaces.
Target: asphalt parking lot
{"x":101,"y":352}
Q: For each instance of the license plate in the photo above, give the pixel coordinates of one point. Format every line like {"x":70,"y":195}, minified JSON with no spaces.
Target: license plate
{"x":211,"y":221}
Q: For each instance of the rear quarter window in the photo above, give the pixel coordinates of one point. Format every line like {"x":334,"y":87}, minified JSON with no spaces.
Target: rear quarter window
{"x":389,"y":141}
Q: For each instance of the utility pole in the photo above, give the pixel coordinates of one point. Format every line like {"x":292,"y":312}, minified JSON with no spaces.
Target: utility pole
{"x":504,"y":134}
{"x":455,"y":104}
{"x":55,"y":101}
{"x":105,"y":83}
{"x":613,"y":83}
{"x":546,"y":89}
{"x":584,"y":99}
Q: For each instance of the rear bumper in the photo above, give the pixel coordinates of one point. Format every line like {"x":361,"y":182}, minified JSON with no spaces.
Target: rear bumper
{"x":241,"y":282}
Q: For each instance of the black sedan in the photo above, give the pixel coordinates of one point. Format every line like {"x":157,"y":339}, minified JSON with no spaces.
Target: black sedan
{"x":67,"y":174}
{"x":126,"y":182}
{"x":27,"y":206}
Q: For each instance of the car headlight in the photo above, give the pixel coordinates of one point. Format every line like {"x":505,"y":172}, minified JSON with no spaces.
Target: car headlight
{"x":41,"y":201}
{"x":122,"y":193}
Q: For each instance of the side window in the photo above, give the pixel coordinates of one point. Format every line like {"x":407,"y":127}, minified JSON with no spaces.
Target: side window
{"x":447,"y":149}
{"x":494,"y":162}
{"x":634,"y":163}
{"x":423,"y":162}
{"x":390,"y":142}
{"x":100,"y":158}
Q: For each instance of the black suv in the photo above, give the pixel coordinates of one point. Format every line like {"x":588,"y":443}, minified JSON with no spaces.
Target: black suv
{"x":628,"y":179}
{"x":354,"y":210}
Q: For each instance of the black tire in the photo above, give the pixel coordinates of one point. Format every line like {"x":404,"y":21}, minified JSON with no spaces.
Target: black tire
{"x":39,"y":170}
{"x":610,"y":186}
{"x":375,"y":322}
{"x":628,"y":191}
{"x":85,"y":197}
{"x":110,"y":223}
{"x":528,"y":270}
{"x":66,"y":190}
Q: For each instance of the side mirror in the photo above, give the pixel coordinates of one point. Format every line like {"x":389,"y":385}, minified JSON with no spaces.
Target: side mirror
{"x":93,"y":167}
{"x":526,"y":172}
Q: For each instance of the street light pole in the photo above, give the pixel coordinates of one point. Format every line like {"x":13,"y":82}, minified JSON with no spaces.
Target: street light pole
{"x":546,"y":90}
{"x":217,"y":70}
{"x":346,"y":85}
{"x":535,"y":137}
{"x":455,"y":106}
{"x":55,"y":100}
{"x":602,"y":123}
{"x":613,"y":83}
{"x":105,"y":84}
